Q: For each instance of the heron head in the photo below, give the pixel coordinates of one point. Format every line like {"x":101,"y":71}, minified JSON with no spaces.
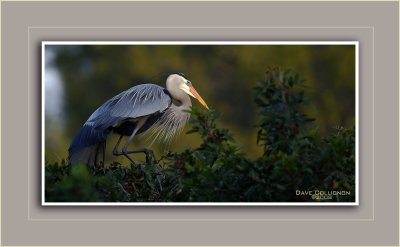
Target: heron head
{"x":178,"y":81}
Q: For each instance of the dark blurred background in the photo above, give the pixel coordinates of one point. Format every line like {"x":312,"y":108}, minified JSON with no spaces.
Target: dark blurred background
{"x":79,"y":78}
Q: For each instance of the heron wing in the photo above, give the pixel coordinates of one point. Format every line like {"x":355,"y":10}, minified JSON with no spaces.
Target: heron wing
{"x":138,"y":101}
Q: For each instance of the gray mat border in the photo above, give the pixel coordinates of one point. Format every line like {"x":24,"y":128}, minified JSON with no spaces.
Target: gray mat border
{"x":377,"y":237}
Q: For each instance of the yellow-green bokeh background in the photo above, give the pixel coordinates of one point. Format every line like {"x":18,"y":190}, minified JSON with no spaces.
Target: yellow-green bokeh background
{"x":224,"y":75}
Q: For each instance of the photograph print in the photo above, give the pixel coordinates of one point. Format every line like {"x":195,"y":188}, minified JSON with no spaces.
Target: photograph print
{"x":200,"y":123}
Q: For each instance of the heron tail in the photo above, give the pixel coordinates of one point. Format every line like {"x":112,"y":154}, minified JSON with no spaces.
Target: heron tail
{"x":88,"y":147}
{"x":92,"y":156}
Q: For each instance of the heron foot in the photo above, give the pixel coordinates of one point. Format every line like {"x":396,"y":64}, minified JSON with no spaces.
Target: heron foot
{"x":149,"y":154}
{"x":124,"y":153}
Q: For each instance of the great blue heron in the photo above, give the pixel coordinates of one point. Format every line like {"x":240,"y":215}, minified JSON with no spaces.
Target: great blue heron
{"x":145,"y":107}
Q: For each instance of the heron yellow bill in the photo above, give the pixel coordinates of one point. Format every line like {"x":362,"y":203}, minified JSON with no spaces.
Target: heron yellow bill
{"x":197,"y":96}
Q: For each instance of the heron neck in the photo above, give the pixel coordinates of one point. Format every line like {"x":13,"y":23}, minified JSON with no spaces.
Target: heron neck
{"x":182,"y":103}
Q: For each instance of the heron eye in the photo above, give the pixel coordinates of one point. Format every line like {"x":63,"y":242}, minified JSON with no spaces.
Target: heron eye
{"x":188,"y":83}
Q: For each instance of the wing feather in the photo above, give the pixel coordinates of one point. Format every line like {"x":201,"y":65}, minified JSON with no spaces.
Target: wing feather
{"x":132,"y":103}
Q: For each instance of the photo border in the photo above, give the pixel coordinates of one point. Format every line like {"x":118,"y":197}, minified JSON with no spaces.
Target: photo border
{"x":283,"y":43}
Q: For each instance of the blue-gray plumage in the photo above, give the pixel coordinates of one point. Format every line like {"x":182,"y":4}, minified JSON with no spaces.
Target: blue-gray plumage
{"x":145,"y":107}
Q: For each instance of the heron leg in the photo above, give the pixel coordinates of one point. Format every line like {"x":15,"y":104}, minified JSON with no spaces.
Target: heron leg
{"x":148,"y":152}
{"x":115,"y":150}
{"x":124,"y":150}
{"x":116,"y":153}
